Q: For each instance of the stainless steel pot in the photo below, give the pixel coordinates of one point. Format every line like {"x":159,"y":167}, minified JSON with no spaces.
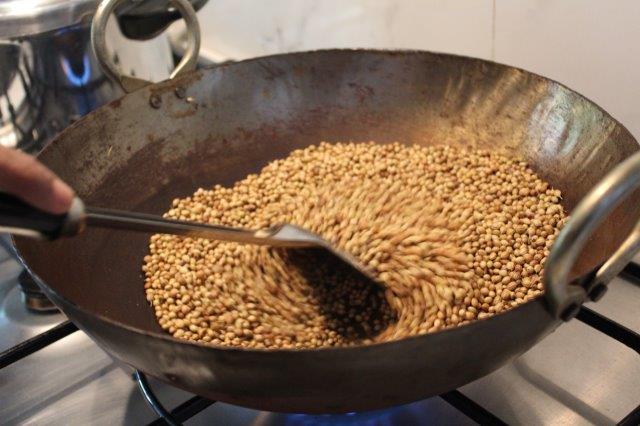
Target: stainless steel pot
{"x":49,"y":75}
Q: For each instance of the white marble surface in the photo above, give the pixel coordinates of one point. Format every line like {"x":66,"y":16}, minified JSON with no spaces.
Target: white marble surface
{"x":592,"y":46}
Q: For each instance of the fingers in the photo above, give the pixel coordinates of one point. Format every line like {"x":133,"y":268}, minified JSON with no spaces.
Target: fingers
{"x":28,"y":179}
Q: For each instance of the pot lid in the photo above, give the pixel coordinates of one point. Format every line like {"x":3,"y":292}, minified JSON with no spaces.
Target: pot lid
{"x":27,"y":17}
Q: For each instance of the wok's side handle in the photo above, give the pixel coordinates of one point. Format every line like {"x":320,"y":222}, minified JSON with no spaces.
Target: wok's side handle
{"x":20,"y":218}
{"x":564,"y":300}
{"x":129,"y":83}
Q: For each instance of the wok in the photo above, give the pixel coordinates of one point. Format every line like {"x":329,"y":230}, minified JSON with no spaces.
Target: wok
{"x":216,"y":125}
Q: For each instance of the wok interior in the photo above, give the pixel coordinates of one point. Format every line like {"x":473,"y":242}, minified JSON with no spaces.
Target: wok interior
{"x":237,"y":118}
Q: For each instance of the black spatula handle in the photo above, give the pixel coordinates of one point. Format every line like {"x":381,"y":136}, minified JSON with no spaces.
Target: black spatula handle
{"x":20,"y":218}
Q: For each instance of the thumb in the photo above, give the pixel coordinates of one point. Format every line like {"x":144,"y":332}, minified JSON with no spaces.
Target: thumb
{"x":28,"y":179}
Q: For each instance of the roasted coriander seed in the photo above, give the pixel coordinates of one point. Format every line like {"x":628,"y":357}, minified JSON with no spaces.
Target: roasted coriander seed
{"x":454,"y":235}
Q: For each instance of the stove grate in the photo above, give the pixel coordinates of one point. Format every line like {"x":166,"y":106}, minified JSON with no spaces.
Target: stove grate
{"x":36,"y":343}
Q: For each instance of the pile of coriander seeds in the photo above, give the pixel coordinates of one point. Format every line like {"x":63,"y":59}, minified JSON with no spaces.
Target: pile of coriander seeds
{"x":452,"y":235}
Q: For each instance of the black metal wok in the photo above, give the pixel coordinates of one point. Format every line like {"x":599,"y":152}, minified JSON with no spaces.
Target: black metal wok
{"x":217,"y":125}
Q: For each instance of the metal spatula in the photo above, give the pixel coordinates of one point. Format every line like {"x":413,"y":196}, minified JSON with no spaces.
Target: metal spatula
{"x":19,"y":218}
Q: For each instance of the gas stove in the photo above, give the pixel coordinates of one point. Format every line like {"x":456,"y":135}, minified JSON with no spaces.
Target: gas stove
{"x":586,"y":372}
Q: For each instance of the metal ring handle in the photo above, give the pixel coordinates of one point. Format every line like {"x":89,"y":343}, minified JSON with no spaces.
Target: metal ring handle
{"x":564,"y":300}
{"x":128,"y":83}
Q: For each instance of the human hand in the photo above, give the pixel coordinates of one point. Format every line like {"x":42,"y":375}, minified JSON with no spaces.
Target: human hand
{"x":28,"y":179}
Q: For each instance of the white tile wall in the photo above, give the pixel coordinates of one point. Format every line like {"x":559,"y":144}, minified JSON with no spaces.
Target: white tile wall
{"x":592,"y":46}
{"x":245,"y":28}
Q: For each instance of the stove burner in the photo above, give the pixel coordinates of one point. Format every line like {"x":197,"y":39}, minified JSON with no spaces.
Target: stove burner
{"x":33,"y":297}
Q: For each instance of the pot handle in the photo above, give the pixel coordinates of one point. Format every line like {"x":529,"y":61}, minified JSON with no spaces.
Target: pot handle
{"x":129,"y":83}
{"x":564,"y":300}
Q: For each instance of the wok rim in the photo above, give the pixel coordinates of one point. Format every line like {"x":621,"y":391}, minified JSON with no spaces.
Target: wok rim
{"x":198,"y":74}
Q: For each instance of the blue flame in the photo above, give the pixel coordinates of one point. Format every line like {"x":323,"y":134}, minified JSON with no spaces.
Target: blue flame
{"x":73,"y":78}
{"x":371,"y":418}
{"x":410,"y":414}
